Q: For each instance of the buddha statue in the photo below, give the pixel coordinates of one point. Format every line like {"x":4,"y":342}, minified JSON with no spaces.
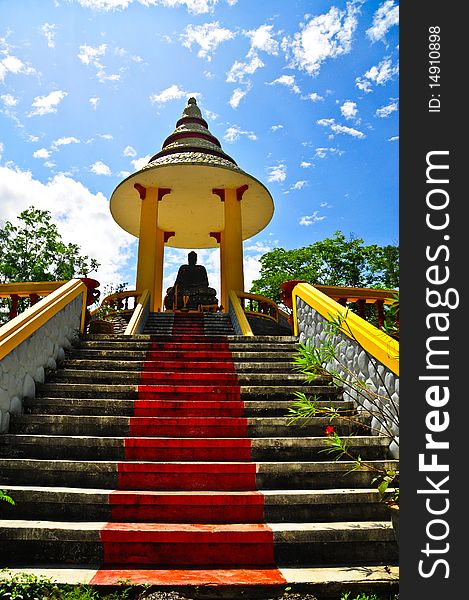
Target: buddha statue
{"x":191,"y":283}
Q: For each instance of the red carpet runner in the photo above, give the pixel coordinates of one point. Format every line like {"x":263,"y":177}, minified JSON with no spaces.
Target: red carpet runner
{"x":186,"y":511}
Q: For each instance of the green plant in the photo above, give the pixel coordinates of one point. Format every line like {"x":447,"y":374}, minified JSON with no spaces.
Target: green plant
{"x":6,"y":497}
{"x":312,"y":361}
{"x":27,"y":586}
{"x":364,"y":596}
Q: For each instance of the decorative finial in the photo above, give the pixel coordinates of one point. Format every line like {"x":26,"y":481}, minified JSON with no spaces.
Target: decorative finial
{"x":192,"y":100}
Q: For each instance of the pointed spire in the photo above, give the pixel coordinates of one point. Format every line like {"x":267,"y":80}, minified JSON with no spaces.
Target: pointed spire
{"x":193,"y":142}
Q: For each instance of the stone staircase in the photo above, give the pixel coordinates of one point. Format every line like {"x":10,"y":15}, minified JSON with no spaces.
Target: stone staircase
{"x":168,"y":458}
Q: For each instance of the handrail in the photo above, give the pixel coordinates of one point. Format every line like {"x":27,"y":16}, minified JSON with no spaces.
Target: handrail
{"x":376,"y":342}
{"x":138,"y":313}
{"x":16,"y":331}
{"x":240,"y":314}
{"x":266,"y":307}
{"x":121,"y":300}
{"x":354,"y":294}
{"x":24,"y":289}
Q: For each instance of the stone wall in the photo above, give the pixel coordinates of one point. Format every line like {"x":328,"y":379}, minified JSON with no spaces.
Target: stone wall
{"x":25,"y":366}
{"x":234,"y":319}
{"x":351,"y":356}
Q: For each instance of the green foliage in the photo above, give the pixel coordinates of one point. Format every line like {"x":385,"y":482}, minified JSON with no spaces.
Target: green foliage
{"x":25,"y":586}
{"x":363,"y":596}
{"x":6,"y":498}
{"x":333,"y":261}
{"x":311,"y":361}
{"x":33,"y":250}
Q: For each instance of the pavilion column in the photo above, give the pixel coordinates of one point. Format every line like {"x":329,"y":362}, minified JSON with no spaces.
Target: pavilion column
{"x":231,"y":246}
{"x":150,"y":247}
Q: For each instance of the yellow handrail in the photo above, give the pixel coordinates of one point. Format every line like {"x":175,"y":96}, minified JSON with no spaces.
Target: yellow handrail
{"x":240,"y":314}
{"x":24,"y":289}
{"x":138,"y":313}
{"x":352,"y":294}
{"x":21,"y":327}
{"x":384,"y":348}
{"x":265,"y":304}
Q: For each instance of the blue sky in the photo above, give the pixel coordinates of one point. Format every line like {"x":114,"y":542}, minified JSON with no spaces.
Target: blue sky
{"x":303,"y":94}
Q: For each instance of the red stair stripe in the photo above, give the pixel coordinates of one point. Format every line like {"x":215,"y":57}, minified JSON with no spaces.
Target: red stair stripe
{"x":187,"y":449}
{"x":153,"y":511}
{"x":192,"y":577}
{"x":202,"y":408}
{"x":186,"y":544}
{"x":186,"y":476}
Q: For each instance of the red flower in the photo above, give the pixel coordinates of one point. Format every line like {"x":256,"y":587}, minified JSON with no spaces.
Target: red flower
{"x":329,"y":430}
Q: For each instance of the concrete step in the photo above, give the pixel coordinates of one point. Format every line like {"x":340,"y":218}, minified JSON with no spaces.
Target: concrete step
{"x":166,"y":544}
{"x":166,"y":377}
{"x":102,"y":390}
{"x":184,"y":364}
{"x":184,"y":427}
{"x":167,"y":408}
{"x":256,"y":340}
{"x":80,"y":354}
{"x":88,"y":447}
{"x":169,"y":343}
{"x":73,"y":504}
{"x":321,"y":582}
{"x":190,"y":476}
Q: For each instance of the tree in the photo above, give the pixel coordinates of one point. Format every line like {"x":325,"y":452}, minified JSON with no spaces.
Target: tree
{"x":333,"y":261}
{"x":33,"y":250}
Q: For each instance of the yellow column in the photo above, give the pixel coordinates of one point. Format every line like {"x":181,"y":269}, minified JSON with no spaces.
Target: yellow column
{"x":231,"y":248}
{"x":150,"y":249}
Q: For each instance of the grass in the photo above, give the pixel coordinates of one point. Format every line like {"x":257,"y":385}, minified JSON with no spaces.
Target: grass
{"x":25,"y":586}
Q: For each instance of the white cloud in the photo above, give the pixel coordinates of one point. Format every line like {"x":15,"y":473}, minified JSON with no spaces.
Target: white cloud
{"x":100,"y":168}
{"x":324,"y":36}
{"x":212,"y":116}
{"x":43,"y":105}
{"x":1,"y":150}
{"x":48,"y":30}
{"x":336,"y":128}
{"x":64,"y":141}
{"x":378,"y":75}
{"x":11,"y":64}
{"x":325,"y":205}
{"x":193,"y":6}
{"x":276,"y":127}
{"x":94,"y":102}
{"x":395,"y":138}
{"x":315,"y":97}
{"x":129,"y":151}
{"x":262,"y":39}
{"x":385,"y":111}
{"x":299,"y":185}
{"x":9,"y":100}
{"x":384,"y":18}
{"x":207,"y":36}
{"x":106,"y":136}
{"x":349,"y":109}
{"x":173,"y":92}
{"x":277,"y":172}
{"x":240,"y":70}
{"x":236,"y":97}
{"x":90,"y":56}
{"x":288,"y":81}
{"x":324,"y":152}
{"x":139,"y":163}
{"x":41,"y":153}
{"x":305,"y":164}
{"x":308,"y":220}
{"x":82,"y":217}
{"x":233,"y":133}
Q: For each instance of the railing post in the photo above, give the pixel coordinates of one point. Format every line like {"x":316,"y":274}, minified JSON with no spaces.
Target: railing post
{"x":361,"y":308}
{"x":14,"y":306}
{"x":380,"y":313}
